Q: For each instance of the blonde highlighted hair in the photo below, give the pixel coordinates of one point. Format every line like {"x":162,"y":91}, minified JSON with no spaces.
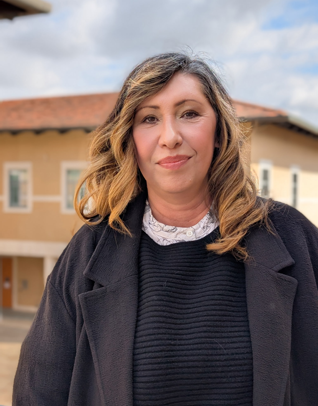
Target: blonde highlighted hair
{"x":113,"y":178}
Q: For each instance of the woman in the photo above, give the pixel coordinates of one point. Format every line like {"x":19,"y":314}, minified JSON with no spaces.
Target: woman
{"x":183,"y":288}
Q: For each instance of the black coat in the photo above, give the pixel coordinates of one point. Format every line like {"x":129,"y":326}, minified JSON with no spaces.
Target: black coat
{"x":79,"y":349}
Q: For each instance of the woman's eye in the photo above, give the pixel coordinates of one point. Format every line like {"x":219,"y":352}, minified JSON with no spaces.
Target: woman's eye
{"x":190,"y":114}
{"x":149,"y":120}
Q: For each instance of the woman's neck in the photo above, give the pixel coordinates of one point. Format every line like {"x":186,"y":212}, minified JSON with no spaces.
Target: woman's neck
{"x":178,"y":213}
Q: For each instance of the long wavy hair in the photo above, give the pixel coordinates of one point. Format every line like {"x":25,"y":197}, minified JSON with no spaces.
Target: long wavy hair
{"x":113,"y":179}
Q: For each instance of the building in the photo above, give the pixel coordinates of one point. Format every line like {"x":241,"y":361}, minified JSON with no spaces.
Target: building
{"x":284,"y":157}
{"x":10,"y":9}
{"x":44,"y":147}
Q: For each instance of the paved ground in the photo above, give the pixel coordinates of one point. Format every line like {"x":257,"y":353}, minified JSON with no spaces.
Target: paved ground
{"x":13,"y":328}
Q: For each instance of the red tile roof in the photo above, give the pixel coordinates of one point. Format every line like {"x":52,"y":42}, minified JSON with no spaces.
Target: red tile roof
{"x":86,"y":111}
{"x":252,"y":111}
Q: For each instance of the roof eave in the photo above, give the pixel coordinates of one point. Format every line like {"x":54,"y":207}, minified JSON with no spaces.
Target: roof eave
{"x":27,"y":7}
{"x":303,"y":124}
{"x":290,"y":121}
{"x":262,"y":119}
{"x":15,"y":131}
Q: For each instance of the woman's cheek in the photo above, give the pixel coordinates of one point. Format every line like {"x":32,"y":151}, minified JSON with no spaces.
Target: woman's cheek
{"x":145,"y":146}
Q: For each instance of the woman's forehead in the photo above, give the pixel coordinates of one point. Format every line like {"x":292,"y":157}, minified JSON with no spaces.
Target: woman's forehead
{"x":182,"y":86}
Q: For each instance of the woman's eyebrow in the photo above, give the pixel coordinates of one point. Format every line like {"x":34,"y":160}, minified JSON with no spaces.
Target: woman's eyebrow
{"x":147,"y":107}
{"x":186,"y":100}
{"x":176,"y":105}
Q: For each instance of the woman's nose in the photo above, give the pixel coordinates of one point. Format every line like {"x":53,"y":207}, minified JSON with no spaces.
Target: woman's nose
{"x":170,"y":135}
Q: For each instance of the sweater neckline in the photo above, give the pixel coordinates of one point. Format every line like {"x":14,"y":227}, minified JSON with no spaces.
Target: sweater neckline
{"x":164,"y":234}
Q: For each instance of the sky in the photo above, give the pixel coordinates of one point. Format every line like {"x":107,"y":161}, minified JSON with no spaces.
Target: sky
{"x":266,"y":52}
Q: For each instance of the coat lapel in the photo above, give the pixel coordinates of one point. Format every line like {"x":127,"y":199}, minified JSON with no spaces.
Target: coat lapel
{"x":110,"y":310}
{"x":270,"y":298}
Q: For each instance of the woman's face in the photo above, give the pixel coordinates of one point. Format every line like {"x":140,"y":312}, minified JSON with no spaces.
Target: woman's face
{"x":174,"y":134}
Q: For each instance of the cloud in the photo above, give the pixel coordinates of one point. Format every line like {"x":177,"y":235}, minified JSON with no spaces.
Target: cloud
{"x":275,"y":70}
{"x":142,"y":27}
{"x":84,"y":47}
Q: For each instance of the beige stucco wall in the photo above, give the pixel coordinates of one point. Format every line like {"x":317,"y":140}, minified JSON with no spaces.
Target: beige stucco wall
{"x":45,"y":151}
{"x":30,"y":282}
{"x":44,"y":223}
{"x":247,"y":129}
{"x":284,"y":149}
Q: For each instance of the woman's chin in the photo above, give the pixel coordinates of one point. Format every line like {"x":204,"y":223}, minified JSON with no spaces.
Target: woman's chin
{"x":174,"y":188}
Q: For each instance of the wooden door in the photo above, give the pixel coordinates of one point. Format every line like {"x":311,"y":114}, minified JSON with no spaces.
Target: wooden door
{"x":7,"y":282}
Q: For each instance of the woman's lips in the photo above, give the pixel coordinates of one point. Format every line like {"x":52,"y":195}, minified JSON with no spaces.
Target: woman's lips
{"x":174,"y":162}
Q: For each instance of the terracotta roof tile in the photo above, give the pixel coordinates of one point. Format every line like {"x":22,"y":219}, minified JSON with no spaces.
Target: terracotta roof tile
{"x":56,"y":112}
{"x":86,"y":111}
{"x":248,"y":110}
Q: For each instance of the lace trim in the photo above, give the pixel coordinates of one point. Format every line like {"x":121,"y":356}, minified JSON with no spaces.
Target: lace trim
{"x":166,"y":235}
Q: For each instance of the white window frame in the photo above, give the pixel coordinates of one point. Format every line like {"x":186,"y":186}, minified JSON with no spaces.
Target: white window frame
{"x":266,"y":165}
{"x":294,"y":170}
{"x":17,"y":165}
{"x":65,"y":165}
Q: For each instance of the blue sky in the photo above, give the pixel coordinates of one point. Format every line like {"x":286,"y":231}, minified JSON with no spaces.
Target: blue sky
{"x":293,"y":13}
{"x":266,"y":51}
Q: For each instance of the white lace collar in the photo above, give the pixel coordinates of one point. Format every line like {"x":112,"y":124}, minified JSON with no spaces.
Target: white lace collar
{"x":166,"y":235}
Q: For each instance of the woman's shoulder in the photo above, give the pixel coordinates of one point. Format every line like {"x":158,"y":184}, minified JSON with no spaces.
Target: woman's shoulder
{"x":294,"y":228}
{"x":67,"y":277}
{"x":284,"y":216}
{"x":88,"y":234}
{"x":84,"y":241}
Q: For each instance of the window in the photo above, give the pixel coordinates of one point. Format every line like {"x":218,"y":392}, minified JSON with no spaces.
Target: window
{"x":18,"y":188}
{"x":71,"y":173}
{"x":265,"y":183}
{"x":17,"y":184}
{"x":294,"y":186}
{"x":265,"y":176}
{"x":72,"y":178}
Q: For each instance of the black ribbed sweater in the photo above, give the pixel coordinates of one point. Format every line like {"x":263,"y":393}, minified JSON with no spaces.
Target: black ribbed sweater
{"x":192,"y":343}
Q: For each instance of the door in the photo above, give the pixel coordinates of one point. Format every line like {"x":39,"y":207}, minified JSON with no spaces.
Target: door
{"x":7,"y":282}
